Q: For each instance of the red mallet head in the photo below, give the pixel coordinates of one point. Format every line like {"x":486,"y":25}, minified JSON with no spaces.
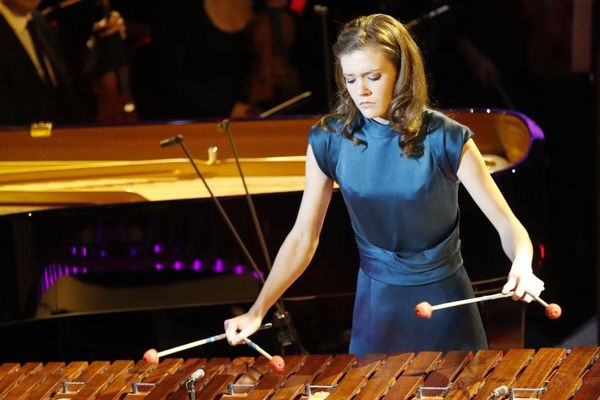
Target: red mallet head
{"x":423,"y":310}
{"x":151,"y":356}
{"x":553,"y":311}
{"x":277,"y":364}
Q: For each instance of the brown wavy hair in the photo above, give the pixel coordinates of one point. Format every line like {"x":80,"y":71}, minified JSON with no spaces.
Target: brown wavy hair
{"x":409,"y":96}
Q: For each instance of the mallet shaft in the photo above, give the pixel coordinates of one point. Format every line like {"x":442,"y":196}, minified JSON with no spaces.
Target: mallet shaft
{"x":258,"y":348}
{"x":200,"y":342}
{"x":538,"y":299}
{"x":473,"y":300}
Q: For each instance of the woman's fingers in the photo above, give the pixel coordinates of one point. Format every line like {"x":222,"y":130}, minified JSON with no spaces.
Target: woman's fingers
{"x":523,"y":286}
{"x":509,"y":285}
{"x":231,"y":330}
{"x":239,"y":328}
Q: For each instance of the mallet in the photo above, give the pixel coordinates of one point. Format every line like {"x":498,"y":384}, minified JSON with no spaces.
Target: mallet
{"x":425,"y":310}
{"x":553,"y":310}
{"x":151,"y":356}
{"x":276,"y":362}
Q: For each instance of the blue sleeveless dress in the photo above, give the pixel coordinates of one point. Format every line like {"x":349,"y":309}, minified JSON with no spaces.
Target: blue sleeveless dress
{"x":404,"y":212}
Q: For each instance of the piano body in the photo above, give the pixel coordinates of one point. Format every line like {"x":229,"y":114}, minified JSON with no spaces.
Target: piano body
{"x":112,"y":245}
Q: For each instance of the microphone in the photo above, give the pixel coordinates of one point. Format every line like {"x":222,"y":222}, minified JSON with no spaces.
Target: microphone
{"x":437,"y":11}
{"x":223,"y":125}
{"x":500,"y":391}
{"x":198,"y":374}
{"x":429,"y":15}
{"x":171,"y":141}
{"x":276,"y":109}
{"x":189,"y":384}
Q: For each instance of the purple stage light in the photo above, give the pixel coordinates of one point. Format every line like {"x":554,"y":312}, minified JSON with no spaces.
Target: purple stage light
{"x":219,"y":266}
{"x":197,"y":265}
{"x":239,"y":269}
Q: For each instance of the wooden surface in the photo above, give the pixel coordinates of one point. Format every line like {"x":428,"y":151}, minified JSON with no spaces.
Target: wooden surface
{"x":565,"y":374}
{"x":125,"y":164}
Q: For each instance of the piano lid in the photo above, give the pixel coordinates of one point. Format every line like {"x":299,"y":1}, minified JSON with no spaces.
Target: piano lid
{"x":123,"y":164}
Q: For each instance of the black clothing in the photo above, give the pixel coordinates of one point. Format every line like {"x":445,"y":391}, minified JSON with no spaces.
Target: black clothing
{"x":200,"y":71}
{"x":25,"y":97}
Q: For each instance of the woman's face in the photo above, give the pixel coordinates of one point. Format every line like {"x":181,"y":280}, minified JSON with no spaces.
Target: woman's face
{"x":370,"y":79}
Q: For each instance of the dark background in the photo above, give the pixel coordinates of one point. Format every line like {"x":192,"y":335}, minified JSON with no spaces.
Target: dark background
{"x":565,"y":105}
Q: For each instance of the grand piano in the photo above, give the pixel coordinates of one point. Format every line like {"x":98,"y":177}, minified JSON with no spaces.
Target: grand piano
{"x":111,"y":244}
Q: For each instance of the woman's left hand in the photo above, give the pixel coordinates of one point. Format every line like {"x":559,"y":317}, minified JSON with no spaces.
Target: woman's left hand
{"x":523,"y":282}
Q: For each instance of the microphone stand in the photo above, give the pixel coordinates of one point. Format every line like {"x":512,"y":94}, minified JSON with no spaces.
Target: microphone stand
{"x":282,"y":321}
{"x":225,"y":125}
{"x":178,"y":139}
{"x":189,"y":384}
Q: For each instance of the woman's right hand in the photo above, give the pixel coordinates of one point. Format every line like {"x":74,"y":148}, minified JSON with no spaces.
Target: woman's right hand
{"x":240,"y":327}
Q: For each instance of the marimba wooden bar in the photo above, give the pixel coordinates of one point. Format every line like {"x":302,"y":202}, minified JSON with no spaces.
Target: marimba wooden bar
{"x":548,"y":374}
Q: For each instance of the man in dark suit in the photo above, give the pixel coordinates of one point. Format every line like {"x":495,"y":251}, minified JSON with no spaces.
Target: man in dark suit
{"x":34,"y":84}
{"x":34,"y":81}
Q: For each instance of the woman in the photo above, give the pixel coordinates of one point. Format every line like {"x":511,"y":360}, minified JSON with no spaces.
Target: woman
{"x":398,"y":165}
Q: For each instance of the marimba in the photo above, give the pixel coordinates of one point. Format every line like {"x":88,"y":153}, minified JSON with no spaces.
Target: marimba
{"x":548,"y":373}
